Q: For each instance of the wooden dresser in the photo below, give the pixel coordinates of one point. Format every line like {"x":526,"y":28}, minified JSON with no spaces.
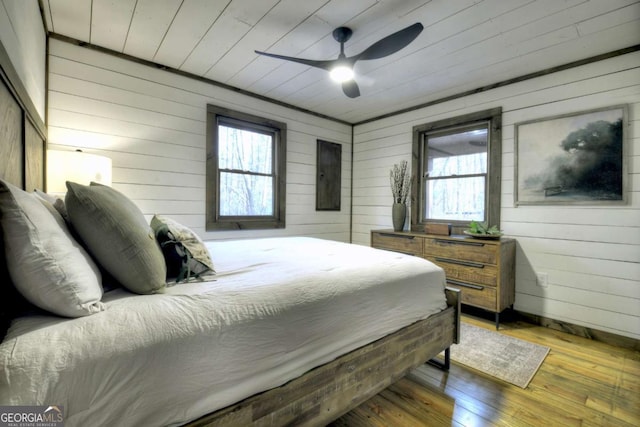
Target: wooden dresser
{"x":483,"y":270}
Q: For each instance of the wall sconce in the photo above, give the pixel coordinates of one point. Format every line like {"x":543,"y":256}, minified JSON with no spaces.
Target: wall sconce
{"x":76,"y":166}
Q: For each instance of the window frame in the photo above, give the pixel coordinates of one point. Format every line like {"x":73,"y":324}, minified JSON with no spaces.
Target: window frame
{"x":214,"y":221}
{"x":493,"y":118}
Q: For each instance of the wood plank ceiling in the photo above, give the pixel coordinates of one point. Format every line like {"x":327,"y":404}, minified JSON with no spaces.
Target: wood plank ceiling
{"x":466,"y":44}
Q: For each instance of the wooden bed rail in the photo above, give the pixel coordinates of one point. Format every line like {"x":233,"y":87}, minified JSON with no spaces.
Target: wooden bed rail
{"x":454,"y":299}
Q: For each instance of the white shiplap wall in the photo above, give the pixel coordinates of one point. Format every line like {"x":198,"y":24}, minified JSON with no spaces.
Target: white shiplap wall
{"x":152,"y":124}
{"x":591,"y":254}
{"x":23,"y":37}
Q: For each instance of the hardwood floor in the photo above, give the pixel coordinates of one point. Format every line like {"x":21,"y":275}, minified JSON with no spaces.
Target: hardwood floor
{"x":581,"y":383}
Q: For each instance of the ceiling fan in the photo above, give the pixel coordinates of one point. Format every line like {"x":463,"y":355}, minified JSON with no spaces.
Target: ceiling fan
{"x":341,"y":69}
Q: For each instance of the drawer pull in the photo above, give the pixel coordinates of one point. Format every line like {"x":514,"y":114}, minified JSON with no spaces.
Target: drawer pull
{"x":461,"y":242}
{"x":464,"y":284}
{"x":458,"y":262}
{"x":399,"y":236}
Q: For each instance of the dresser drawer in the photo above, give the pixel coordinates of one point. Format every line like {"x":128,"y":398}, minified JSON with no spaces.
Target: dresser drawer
{"x":397,"y":242}
{"x":468,"y":250}
{"x":476,"y":295}
{"x":467,"y":271}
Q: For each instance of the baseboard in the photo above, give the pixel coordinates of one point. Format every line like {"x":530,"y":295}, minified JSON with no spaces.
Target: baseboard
{"x":510,"y":315}
{"x":581,"y":331}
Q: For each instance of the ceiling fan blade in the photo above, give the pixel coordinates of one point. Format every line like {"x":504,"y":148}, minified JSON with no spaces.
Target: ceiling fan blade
{"x":391,"y":44}
{"x":351,"y":89}
{"x":325,"y":65}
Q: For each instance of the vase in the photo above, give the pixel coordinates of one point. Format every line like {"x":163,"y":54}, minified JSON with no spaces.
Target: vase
{"x":398,"y":215}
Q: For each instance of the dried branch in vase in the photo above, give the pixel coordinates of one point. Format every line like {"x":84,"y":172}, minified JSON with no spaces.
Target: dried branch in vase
{"x":400,"y":179}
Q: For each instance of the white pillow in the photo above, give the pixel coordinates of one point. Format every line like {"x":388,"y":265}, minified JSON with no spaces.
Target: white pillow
{"x":56,"y":202}
{"x":47,"y":265}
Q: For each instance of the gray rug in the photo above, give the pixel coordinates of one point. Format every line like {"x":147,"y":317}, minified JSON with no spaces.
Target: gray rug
{"x":501,"y":356}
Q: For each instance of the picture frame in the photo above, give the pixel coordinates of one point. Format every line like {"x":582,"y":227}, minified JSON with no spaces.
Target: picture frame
{"x":576,"y":158}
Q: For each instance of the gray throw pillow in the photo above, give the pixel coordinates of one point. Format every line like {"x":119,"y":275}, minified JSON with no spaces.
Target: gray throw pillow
{"x":117,"y":235}
{"x":46,"y":264}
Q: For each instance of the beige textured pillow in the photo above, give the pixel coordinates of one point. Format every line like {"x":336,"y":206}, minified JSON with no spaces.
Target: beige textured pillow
{"x":199,"y":262}
{"x":117,"y":235}
{"x":47,"y":265}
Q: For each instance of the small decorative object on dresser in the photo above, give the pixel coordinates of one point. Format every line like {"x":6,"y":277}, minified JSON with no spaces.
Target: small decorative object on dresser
{"x":400,"y":180}
{"x":482,"y":269}
{"x":480,"y":230}
{"x":442,"y":229}
{"x":398,"y":216}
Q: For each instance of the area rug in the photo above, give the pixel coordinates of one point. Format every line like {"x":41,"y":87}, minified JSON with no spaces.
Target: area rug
{"x":501,"y":356}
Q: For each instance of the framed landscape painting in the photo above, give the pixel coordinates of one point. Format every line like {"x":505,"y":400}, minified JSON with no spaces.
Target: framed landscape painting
{"x":572,"y":159}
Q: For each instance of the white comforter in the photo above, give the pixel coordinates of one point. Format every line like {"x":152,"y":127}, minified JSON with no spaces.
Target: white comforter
{"x":277,"y":308}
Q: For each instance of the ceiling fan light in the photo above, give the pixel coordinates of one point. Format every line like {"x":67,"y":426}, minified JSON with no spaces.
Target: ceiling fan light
{"x":341,"y":73}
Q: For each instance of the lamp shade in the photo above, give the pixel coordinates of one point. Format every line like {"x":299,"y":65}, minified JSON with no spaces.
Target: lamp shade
{"x":76,"y":166}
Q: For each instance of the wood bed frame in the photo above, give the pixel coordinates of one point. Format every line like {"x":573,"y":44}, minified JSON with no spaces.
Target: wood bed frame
{"x":315,"y":398}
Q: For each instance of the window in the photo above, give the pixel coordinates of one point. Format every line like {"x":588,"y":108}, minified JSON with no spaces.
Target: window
{"x":245,"y":171}
{"x":455,"y":174}
{"x":458,"y":170}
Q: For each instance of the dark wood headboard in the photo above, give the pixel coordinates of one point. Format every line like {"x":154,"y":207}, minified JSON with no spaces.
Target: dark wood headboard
{"x":22,"y":149}
{"x":11,"y":146}
{"x":22,"y":163}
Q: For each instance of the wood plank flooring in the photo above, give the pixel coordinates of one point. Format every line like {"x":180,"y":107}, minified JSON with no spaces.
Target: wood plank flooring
{"x":581,"y":383}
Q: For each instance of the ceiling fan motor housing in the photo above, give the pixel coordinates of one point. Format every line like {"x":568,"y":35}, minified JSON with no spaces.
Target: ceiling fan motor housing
{"x":342,"y":34}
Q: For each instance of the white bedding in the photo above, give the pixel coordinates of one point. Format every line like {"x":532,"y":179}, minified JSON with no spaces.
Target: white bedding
{"x":277,"y":308}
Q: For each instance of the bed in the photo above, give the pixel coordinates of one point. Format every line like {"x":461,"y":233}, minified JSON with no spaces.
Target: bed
{"x":290,"y":331}
{"x":277,"y":309}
